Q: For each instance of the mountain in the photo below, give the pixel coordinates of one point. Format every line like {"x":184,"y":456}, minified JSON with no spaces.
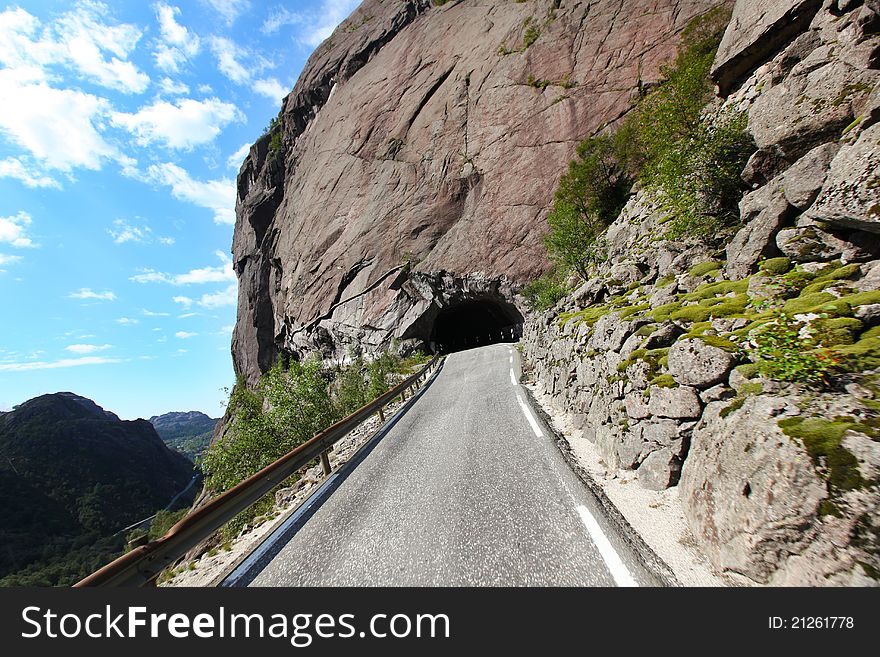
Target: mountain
{"x":414,"y":163}
{"x":71,"y":476}
{"x":188,"y":432}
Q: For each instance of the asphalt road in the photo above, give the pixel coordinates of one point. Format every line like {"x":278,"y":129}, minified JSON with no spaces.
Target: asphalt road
{"x":461,"y":491}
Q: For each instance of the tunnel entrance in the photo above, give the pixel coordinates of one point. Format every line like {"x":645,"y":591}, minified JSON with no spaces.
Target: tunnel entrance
{"x":475,"y":323}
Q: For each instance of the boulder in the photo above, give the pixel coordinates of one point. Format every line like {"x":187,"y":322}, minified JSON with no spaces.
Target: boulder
{"x":681,"y":402}
{"x":748,"y":490}
{"x":809,"y":108}
{"x":694,"y":363}
{"x":764,"y":212}
{"x":850,"y":197}
{"x":803,"y":180}
{"x":757,"y":30}
{"x":809,"y":244}
{"x":660,"y":470}
{"x":636,"y":406}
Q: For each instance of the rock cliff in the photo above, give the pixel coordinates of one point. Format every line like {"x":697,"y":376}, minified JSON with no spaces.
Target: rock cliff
{"x":659,"y":359}
{"x":412,"y":166}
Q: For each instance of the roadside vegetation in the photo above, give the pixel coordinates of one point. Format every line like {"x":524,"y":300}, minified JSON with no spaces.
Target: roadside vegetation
{"x":685,"y":153}
{"x":290,"y":404}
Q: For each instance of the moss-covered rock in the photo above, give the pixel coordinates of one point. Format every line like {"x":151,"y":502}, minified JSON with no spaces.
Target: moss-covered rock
{"x":694,"y":313}
{"x":776,"y":266}
{"x":705,"y":268}
{"x":823,"y":440}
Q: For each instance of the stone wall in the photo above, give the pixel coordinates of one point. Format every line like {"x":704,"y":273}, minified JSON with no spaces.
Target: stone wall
{"x":652,"y":357}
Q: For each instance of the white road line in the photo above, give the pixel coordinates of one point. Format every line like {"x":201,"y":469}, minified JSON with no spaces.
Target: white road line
{"x":512,"y":377}
{"x":618,"y":570}
{"x":529,"y":417}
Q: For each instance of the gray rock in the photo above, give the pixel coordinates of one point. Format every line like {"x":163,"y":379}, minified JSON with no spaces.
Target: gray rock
{"x":667,"y":433}
{"x":664,"y":335}
{"x":809,"y":244}
{"x":811,"y":107}
{"x":694,"y":363}
{"x":748,"y":490}
{"x":764,"y":213}
{"x":757,"y":30}
{"x":869,"y":314}
{"x":850,"y":197}
{"x":763,"y":166}
{"x":803,"y":180}
{"x":636,"y":407}
{"x":660,"y":470}
{"x":680,"y":402}
{"x":716,"y":393}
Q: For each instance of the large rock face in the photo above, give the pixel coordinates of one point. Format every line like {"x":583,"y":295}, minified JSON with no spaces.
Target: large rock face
{"x":421,"y":147}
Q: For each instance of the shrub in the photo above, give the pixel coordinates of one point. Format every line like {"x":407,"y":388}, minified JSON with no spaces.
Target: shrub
{"x":589,"y":196}
{"x":786,"y":350}
{"x":545,"y":291}
{"x":690,"y":161}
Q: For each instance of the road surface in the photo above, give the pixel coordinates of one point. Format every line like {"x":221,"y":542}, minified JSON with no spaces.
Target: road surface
{"x":465,"y":489}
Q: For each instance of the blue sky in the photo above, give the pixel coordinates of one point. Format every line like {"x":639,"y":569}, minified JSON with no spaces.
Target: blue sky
{"x":122,"y":128}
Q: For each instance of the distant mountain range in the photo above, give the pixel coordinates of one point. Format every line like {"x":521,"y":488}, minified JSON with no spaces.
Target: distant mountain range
{"x":189,"y":433}
{"x":71,"y":476}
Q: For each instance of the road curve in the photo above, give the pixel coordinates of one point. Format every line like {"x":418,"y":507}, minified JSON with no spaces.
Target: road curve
{"x":461,"y":491}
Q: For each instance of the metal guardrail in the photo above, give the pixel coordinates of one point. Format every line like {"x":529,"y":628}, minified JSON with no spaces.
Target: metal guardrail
{"x":142,"y":564}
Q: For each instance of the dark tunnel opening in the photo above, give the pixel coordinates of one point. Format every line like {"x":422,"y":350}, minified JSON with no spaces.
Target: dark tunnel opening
{"x":475,"y":323}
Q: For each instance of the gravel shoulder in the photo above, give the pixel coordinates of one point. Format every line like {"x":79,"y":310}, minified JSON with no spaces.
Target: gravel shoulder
{"x":656,"y":516}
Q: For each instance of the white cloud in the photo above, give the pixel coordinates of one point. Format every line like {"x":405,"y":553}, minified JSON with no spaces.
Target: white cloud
{"x":227,"y":297}
{"x":178,"y":44}
{"x":216,"y":195}
{"x":173,"y":87}
{"x":14,"y":168}
{"x":271,"y":89}
{"x":127,"y":321}
{"x":187,"y":315}
{"x":238,"y":156}
{"x":123,"y":232}
{"x":13,"y":229}
{"x":88,"y":293}
{"x":150,"y":313}
{"x":186,"y":302}
{"x":57,"y":126}
{"x":314,"y":26}
{"x":229,"y":9}
{"x":219,"y":274}
{"x":84,"y":40}
{"x":184,"y":335}
{"x":280,"y":17}
{"x":87,"y":348}
{"x":9,"y":259}
{"x":228,"y":54}
{"x":180,"y":125}
{"x":66,"y":362}
{"x":167,"y":241}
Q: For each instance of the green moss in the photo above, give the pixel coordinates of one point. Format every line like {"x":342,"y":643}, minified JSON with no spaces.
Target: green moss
{"x":807,"y":303}
{"x":823,"y":440}
{"x":638,"y":354}
{"x":705,"y":268}
{"x":662,"y":313}
{"x":735,"y":405}
{"x":749,"y":370}
{"x":664,"y":381}
{"x":837,"y":331}
{"x":628,"y":311}
{"x":718,"y":288}
{"x":816,"y":287}
{"x":837,"y":272}
{"x":720,"y":343}
{"x":745,"y":391}
{"x":666,"y":280}
{"x":646,"y":330}
{"x":691,"y":314}
{"x":861,"y":356}
{"x":588,"y":316}
{"x":776,"y":266}
{"x":829,"y":508}
{"x":862,"y":298}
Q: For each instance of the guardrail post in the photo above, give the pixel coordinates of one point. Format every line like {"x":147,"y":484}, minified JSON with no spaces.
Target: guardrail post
{"x":325,"y":462}
{"x":381,"y":415}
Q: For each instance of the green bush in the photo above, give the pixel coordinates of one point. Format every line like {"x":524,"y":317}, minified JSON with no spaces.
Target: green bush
{"x":589,"y":196}
{"x":786,"y":350}
{"x":545,"y":291}
{"x":689,"y":161}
